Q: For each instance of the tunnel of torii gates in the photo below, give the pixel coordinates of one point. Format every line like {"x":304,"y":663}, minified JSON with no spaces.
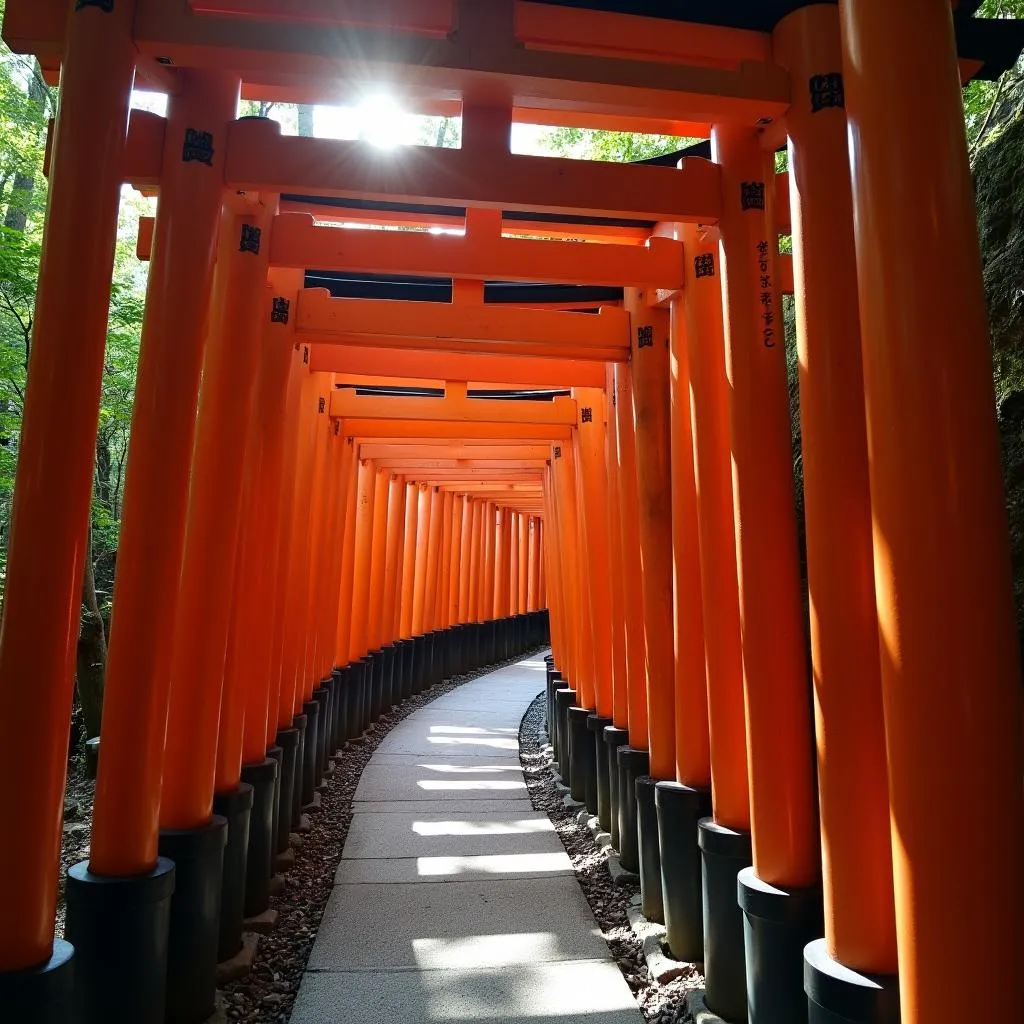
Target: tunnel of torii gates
{"x":415,"y":453}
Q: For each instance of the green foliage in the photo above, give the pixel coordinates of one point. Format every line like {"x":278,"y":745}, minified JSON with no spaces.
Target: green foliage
{"x":617,"y":147}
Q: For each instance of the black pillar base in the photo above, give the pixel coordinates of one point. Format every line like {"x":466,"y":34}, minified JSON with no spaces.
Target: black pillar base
{"x":323,"y":698}
{"x":391,"y":696}
{"x":300,"y":723}
{"x":259,"y":866}
{"x":839,"y":995}
{"x":288,"y":741}
{"x":310,"y":753}
{"x":275,"y":754}
{"x":777,"y":925}
{"x":365,"y":693}
{"x":333,"y":684}
{"x":236,"y":808}
{"x":353,"y":700}
{"x":46,"y":994}
{"x":724,"y":854}
{"x":614,"y":737}
{"x":597,"y":725}
{"x":564,"y":699}
{"x":554,"y":682}
{"x":652,"y":904}
{"x":198,"y":856}
{"x":118,"y":928}
{"x":582,"y":770}
{"x":632,"y":764}
{"x":419,"y":654}
{"x":679,"y":809}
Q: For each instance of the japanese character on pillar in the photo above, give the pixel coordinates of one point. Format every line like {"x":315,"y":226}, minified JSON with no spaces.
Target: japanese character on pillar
{"x":586,"y":415}
{"x":321,"y":406}
{"x":250,"y":240}
{"x":280,"y":310}
{"x":305,"y":355}
{"x":752,"y":195}
{"x":645,"y":336}
{"x":704,"y":265}
{"x":558,"y":451}
{"x":198,"y":147}
{"x":767,"y":297}
{"x":827,"y":91}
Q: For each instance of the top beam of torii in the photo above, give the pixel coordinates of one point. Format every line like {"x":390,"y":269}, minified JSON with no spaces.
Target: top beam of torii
{"x":551,"y":63}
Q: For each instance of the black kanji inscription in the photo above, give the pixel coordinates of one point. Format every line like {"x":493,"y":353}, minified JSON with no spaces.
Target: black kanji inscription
{"x":645,"y":336}
{"x":752,"y":195}
{"x":250,"y":240}
{"x":704,"y":264}
{"x":321,"y":405}
{"x":557,"y":451}
{"x":305,"y":354}
{"x":586,"y":415}
{"x":279,"y":310}
{"x":827,"y":91}
{"x":198,"y":146}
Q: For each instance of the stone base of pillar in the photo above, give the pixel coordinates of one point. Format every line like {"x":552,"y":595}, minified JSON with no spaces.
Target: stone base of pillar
{"x":236,"y":808}
{"x":376,"y":659}
{"x":679,"y":809}
{"x":777,"y":925}
{"x":340,"y":698}
{"x":259,"y":865}
{"x":632,"y":764}
{"x":597,"y":725}
{"x":582,"y":770}
{"x":117,"y":929}
{"x":724,"y":854}
{"x":652,"y":903}
{"x":310,"y":752}
{"x":365,"y":694}
{"x":323,"y":698}
{"x":288,"y":741}
{"x":554,"y":682}
{"x":614,"y":737}
{"x":838,"y":995}
{"x":275,"y":754}
{"x":300,"y":722}
{"x":564,"y":699}
{"x":192,"y":939}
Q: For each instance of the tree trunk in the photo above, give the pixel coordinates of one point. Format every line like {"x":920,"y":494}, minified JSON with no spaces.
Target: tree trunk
{"x":91,"y":660}
{"x":21,"y":194}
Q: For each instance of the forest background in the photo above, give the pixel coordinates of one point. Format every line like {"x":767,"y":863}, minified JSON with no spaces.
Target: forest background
{"x":995,"y":125}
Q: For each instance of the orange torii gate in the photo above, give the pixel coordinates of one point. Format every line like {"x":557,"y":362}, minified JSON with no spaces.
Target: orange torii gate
{"x":664,"y":542}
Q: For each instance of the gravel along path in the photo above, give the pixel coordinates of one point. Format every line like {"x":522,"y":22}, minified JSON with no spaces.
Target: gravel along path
{"x":660,"y":1004}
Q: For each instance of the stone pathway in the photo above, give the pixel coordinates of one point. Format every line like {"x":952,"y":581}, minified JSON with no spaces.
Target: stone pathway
{"x":454,"y":899}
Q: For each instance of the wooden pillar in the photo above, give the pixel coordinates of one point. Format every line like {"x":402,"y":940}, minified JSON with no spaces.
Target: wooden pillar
{"x":650,"y":376}
{"x":466,"y":561}
{"x":410,"y":547}
{"x":214,"y":510}
{"x":455,"y":558}
{"x":394,"y":561}
{"x":343,"y":638}
{"x":359,"y":644}
{"x":378,"y":560}
{"x":57,"y":450}
{"x":137,"y":679}
{"x":949,"y":653}
{"x":620,"y":687}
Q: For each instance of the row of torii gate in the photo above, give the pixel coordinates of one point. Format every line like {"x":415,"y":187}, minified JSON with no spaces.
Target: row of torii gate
{"x":338,"y":496}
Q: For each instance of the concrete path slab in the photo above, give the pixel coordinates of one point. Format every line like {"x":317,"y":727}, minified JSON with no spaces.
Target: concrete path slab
{"x":481,"y":781}
{"x":582,"y":992}
{"x":384,"y":836}
{"x":454,"y":900}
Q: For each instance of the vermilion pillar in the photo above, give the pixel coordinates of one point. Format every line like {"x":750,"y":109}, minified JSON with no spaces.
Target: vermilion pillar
{"x":412,"y":504}
{"x":394,"y":560}
{"x":525,"y":524}
{"x":487,"y":567}
{"x":712,"y":459}
{"x":214,"y":510}
{"x":455,"y":568}
{"x":445,"y":561}
{"x":594,"y":479}
{"x":950,"y":661}
{"x":343,"y":638}
{"x":463,"y":614}
{"x":53,"y":487}
{"x":422,"y":543}
{"x":856,"y":853}
{"x":650,"y":378}
{"x":568,"y":542}
{"x":629,"y":504}
{"x":126,"y":812}
{"x":620,"y":692}
{"x":501,"y":553}
{"x":378,"y":560}
{"x":361,"y":566}
{"x":294,"y":581}
{"x":433,"y":564}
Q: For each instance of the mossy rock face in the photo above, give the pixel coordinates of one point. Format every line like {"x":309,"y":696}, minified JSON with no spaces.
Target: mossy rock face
{"x":999,"y":187}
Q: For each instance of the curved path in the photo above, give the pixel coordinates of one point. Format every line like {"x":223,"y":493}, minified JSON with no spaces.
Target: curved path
{"x":454,"y":899}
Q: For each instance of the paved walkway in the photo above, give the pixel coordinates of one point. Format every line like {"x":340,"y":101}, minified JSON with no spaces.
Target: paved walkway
{"x":454,"y":900}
